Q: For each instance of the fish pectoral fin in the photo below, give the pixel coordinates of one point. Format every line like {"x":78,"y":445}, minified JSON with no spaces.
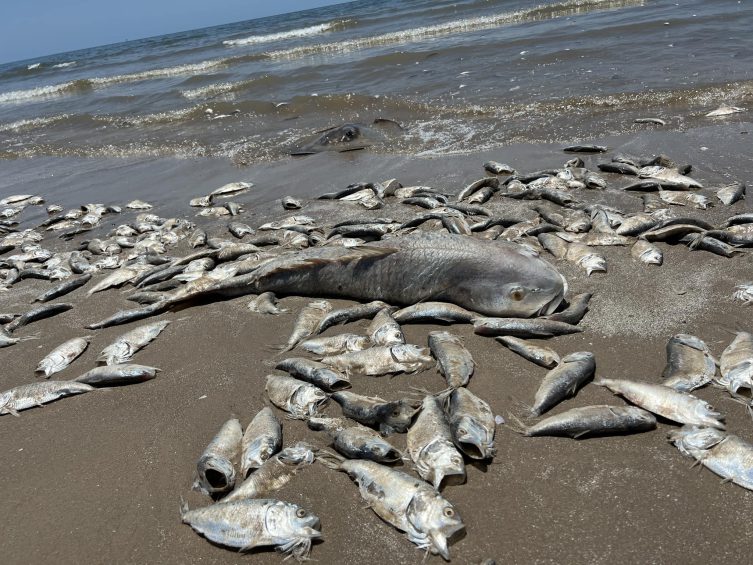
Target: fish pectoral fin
{"x":12,"y":411}
{"x":581,"y":434}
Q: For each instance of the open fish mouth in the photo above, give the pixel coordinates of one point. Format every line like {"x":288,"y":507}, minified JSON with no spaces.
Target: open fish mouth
{"x":551,"y":306}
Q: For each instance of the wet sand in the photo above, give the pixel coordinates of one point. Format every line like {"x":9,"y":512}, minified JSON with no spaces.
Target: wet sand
{"x":98,"y":478}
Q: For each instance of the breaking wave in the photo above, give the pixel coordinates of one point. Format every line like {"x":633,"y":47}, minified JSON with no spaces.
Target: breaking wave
{"x":300,"y":32}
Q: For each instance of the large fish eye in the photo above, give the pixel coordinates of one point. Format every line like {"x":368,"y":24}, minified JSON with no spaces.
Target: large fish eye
{"x":300,"y":512}
{"x":517,"y":293}
{"x":449,"y":512}
{"x":462,"y":432}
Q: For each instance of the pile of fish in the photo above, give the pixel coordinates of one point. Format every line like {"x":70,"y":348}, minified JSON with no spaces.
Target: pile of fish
{"x":457,"y":261}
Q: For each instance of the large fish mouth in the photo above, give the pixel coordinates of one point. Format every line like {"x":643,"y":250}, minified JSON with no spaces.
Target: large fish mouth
{"x":551,"y":306}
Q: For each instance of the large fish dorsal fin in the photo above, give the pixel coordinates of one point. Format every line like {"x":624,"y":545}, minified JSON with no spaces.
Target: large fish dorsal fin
{"x":353,"y":254}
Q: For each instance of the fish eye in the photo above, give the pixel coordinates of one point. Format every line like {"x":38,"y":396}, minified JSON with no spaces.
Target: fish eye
{"x":300,"y":512}
{"x":449,"y":512}
{"x":456,"y":460}
{"x":517,"y":293}
{"x":396,"y":412}
{"x":462,"y":432}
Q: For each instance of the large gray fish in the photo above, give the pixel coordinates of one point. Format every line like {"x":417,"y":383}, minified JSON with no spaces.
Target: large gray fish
{"x":246,"y":524}
{"x":489,"y":277}
{"x":407,"y":503}
{"x":725,"y":454}
{"x":215,"y":469}
{"x":36,"y":394}
{"x":430,"y":445}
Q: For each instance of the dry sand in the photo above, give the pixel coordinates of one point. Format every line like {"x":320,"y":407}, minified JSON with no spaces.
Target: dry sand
{"x":98,"y":478}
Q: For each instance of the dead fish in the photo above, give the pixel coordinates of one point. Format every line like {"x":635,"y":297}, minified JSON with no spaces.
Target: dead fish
{"x":586,"y":258}
{"x":388,"y":416}
{"x":664,"y":401}
{"x":744,"y":293}
{"x":384,"y":330}
{"x":731,"y":193}
{"x":704,"y":242}
{"x":116,"y":375}
{"x":261,"y":440}
{"x":434,"y":311}
{"x":367,"y":232}
{"x":576,"y":309}
{"x":201,"y":202}
{"x":668,"y":177}
{"x":307,"y":322}
{"x":356,"y":441}
{"x":736,"y":364}
{"x":585,"y":149}
{"x":215,"y":470}
{"x":471,"y":422}
{"x":274,"y":473}
{"x":657,"y":121}
{"x":336,"y":344}
{"x":522,"y":327}
{"x":542,"y":356}
{"x":589,"y":421}
{"x":685,"y":199}
{"x":36,"y":394}
{"x":125,"y":316}
{"x":647,"y":253}
{"x":231,"y":188}
{"x":454,"y":361}
{"x":498,"y":168}
{"x":723,"y":454}
{"x":119,"y":278}
{"x":430,"y":446}
{"x":239,"y":229}
{"x":636,"y":224}
{"x":724,"y":110}
{"x":62,"y":356}
{"x":690,"y":364}
{"x":125,"y":346}
{"x":573,"y":371}
{"x":315,"y":373}
{"x":36,"y":314}
{"x":297,"y":398}
{"x":198,"y":238}
{"x":410,"y":505}
{"x":381,"y":360}
{"x":139,"y":205}
{"x":290,"y":203}
{"x":63,"y":288}
{"x":266,"y":303}
{"x":492,"y":182}
{"x":246,"y":524}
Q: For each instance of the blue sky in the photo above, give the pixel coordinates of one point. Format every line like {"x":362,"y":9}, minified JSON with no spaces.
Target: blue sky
{"x":34,"y":28}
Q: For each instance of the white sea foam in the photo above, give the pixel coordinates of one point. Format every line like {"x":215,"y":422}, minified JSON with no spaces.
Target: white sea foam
{"x":34,"y":66}
{"x":541,"y":12}
{"x":16,"y":96}
{"x":160,"y":73}
{"x":32,"y":123}
{"x":64,"y":65}
{"x":300,"y":32}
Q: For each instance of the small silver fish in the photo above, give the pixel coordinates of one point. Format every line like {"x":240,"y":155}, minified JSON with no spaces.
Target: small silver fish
{"x":62,"y":356}
{"x":297,"y":398}
{"x":261,"y":440}
{"x":215,"y":469}
{"x":36,"y":394}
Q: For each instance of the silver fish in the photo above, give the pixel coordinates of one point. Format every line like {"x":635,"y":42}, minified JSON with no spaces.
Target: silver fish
{"x":744,"y":293}
{"x":246,"y":524}
{"x":337,"y":344}
{"x":125,"y":346}
{"x":664,"y":401}
{"x":586,"y":258}
{"x":116,"y":375}
{"x":410,"y":505}
{"x":313,"y":372}
{"x":36,"y":394}
{"x":389,"y":415}
{"x":297,"y":398}
{"x":573,"y":371}
{"x":307,"y":322}
{"x":274,"y":473}
{"x":231,"y":188}
{"x":384,"y":330}
{"x":471,"y":422}
{"x":454,"y":361}
{"x":523,"y":328}
{"x":290,"y":203}
{"x":731,"y":193}
{"x":430,"y":445}
{"x":261,"y":440}
{"x":724,"y":454}
{"x":690,"y":364}
{"x":434,"y":311}
{"x":356,"y":441}
{"x":375,"y":361}
{"x":538,"y":354}
{"x":647,"y":253}
{"x":62,"y":356}
{"x":266,"y":303}
{"x":736,"y":364}
{"x":215,"y":470}
{"x":592,"y":420}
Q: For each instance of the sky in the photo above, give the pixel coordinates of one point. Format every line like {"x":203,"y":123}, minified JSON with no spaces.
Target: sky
{"x":34,"y":28}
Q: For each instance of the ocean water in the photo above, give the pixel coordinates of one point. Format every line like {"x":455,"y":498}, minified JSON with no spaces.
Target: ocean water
{"x":456,"y":76}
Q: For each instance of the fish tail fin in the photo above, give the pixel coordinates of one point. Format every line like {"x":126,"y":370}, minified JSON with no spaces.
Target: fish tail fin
{"x":183,"y":507}
{"x":330,"y":459}
{"x":515,"y":424}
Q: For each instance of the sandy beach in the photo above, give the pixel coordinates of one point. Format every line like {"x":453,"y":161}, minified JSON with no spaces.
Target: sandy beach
{"x":99,"y":478}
